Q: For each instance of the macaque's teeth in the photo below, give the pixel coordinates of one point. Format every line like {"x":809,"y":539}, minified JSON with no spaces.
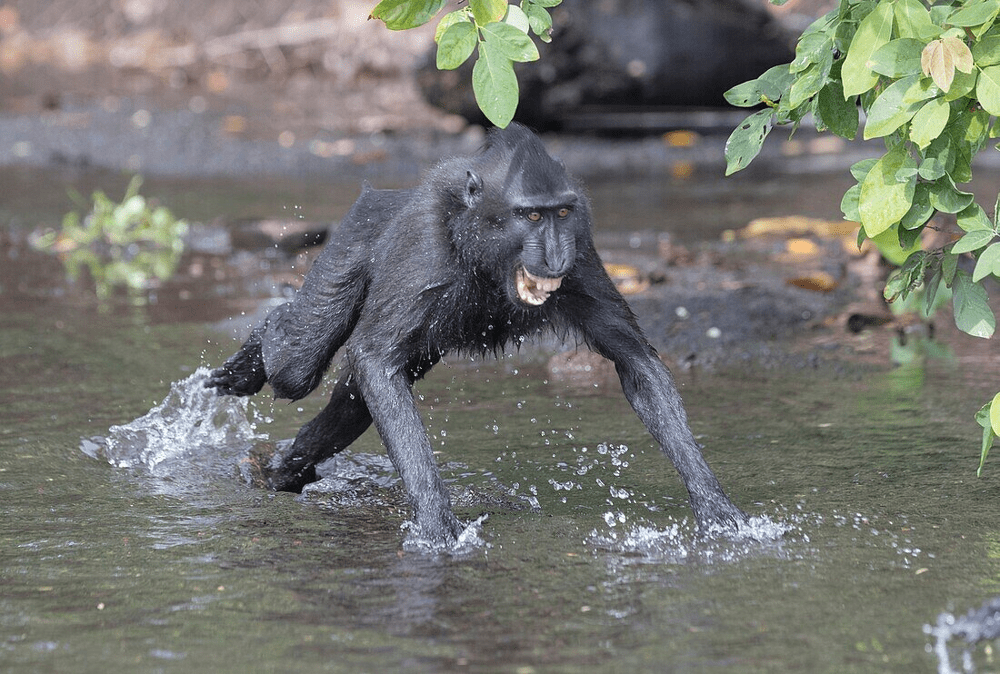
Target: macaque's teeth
{"x":534,"y":290}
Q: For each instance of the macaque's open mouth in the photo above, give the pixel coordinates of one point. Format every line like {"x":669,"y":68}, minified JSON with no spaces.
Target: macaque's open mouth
{"x":534,"y":290}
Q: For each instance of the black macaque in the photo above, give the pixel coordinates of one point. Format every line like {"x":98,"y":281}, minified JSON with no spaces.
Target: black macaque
{"x":487,"y":251}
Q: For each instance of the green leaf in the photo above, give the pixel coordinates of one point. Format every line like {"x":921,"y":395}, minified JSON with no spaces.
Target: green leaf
{"x":895,"y":286}
{"x":946,"y":198}
{"x":510,"y":42}
{"x":404,"y":14}
{"x":914,"y":21}
{"x":839,"y":114}
{"x":962,"y":85}
{"x":745,"y":141}
{"x":811,"y":48}
{"x":808,"y":83}
{"x":861,"y":169}
{"x":972,"y":309}
{"x":973,"y":219}
{"x":988,"y":437}
{"x":783,"y":114}
{"x":517,"y":18}
{"x":456,"y":45}
{"x":449,"y":20}
{"x":995,"y":414}
{"x":897,"y":104}
{"x":908,"y":276}
{"x":778,"y":76}
{"x":751,"y":94}
{"x":897,"y":58}
{"x":546,"y":3}
{"x":983,"y":415}
{"x":938,"y":159}
{"x":495,"y":85}
{"x":921,"y":211}
{"x":988,"y":263}
{"x":988,"y":89}
{"x":929,"y":122}
{"x":874,"y":31}
{"x":769,"y":87}
{"x":849,"y":204}
{"x":972,"y":241}
{"x":968,"y":130}
{"x":488,"y":11}
{"x":986,"y":52}
{"x":931,"y":288}
{"x":897,"y":252}
{"x":974,"y":14}
{"x":538,"y":19}
{"x":949,"y":268}
{"x":884,"y":198}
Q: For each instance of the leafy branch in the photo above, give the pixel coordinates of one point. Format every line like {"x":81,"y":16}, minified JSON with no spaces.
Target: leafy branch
{"x":927,"y":77}
{"x":128,"y":244}
{"x":498,"y":32}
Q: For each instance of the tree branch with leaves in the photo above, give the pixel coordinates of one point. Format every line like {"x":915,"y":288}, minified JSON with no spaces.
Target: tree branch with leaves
{"x":927,"y":77}
{"x":498,"y":33}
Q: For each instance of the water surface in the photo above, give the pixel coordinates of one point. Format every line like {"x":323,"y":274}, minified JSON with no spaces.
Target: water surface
{"x":589,"y":560}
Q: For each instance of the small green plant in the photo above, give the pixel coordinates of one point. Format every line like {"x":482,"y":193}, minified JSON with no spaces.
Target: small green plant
{"x":497,"y":31}
{"x":927,"y":77}
{"x":120,"y":245}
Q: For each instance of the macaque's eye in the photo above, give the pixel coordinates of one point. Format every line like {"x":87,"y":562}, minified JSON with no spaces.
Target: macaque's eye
{"x":564,"y":212}
{"x":534,"y":216}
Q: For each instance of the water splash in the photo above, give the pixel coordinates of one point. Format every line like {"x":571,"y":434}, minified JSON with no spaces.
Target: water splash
{"x":680,"y":542}
{"x":190,"y":419}
{"x":470,"y":540}
{"x":353,"y":480}
{"x":982,"y":624}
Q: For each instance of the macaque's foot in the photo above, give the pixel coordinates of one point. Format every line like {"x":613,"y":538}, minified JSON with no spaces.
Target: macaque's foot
{"x":286,"y":469}
{"x":435,"y":533}
{"x":264,"y":468}
{"x":719,"y":516}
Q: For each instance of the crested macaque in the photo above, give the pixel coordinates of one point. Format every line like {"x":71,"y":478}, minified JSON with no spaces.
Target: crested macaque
{"x":485,"y":252}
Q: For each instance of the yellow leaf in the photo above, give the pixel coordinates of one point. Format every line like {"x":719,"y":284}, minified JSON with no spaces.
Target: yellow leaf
{"x":938,"y":62}
{"x":961,"y":55}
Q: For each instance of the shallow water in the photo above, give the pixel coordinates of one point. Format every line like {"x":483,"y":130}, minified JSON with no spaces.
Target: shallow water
{"x":864,"y":486}
{"x":588,"y":557}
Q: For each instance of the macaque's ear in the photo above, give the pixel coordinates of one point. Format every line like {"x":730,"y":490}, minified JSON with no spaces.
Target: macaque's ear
{"x":473,"y":189}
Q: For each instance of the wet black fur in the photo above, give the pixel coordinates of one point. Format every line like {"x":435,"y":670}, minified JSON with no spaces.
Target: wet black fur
{"x":413,"y":274}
